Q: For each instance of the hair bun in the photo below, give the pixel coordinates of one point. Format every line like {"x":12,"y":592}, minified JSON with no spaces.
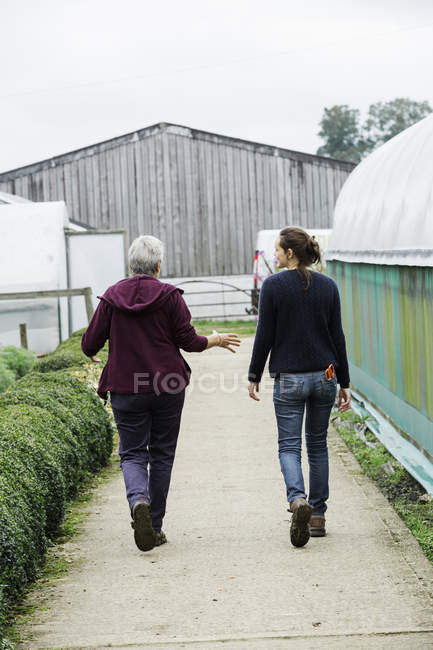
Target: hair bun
{"x":315,"y":248}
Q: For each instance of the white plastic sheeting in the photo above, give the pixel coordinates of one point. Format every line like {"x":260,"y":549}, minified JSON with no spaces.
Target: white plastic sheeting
{"x":96,"y":259}
{"x":6,"y":198}
{"x":384,"y":213}
{"x":33,"y":258}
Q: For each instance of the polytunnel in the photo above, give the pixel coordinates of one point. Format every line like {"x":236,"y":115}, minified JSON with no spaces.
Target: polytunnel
{"x":381,"y":256}
{"x":42,"y":250}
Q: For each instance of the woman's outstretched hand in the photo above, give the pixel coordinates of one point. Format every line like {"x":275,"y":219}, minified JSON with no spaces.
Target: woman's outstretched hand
{"x":253,"y":388}
{"x":343,"y":399}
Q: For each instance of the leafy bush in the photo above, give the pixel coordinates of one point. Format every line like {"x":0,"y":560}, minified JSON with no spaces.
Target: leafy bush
{"x":54,"y":430}
{"x":59,"y":360}
{"x":77,"y":406}
{"x":6,"y":376}
{"x":19,"y":360}
{"x":67,"y":355}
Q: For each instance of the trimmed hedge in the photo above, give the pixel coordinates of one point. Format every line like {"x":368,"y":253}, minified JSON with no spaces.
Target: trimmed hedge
{"x":6,"y":376}
{"x":60,"y":360}
{"x":54,"y":430}
{"x":67,"y":355}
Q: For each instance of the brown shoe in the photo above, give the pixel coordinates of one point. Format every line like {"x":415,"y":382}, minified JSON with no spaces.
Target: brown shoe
{"x":299,"y":532}
{"x":317,"y":526}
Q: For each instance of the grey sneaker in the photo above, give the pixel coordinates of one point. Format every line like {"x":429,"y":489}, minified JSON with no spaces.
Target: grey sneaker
{"x":144,"y":535}
{"x":299,"y":531}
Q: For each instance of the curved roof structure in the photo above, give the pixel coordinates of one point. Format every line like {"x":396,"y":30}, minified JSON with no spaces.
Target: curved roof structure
{"x":384,"y":213}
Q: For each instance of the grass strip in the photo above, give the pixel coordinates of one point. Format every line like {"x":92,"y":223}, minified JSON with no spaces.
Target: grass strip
{"x":239,"y":327}
{"x":412,"y":503}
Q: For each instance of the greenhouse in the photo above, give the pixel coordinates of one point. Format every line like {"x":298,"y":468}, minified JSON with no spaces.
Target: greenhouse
{"x":381,"y":256}
{"x":42,"y":251}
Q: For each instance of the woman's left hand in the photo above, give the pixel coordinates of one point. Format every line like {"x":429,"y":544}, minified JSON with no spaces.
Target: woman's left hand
{"x":95,"y":359}
{"x":252,"y":388}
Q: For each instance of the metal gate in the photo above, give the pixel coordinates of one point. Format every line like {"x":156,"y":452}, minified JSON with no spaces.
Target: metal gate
{"x":227,"y":302}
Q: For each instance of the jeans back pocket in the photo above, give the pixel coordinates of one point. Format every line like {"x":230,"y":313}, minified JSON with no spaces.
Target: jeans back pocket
{"x":329,"y":387}
{"x":291,"y":385}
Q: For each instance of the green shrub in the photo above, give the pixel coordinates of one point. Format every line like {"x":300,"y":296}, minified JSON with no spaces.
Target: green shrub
{"x":22,"y":523}
{"x":75,"y":404}
{"x":50,"y":447}
{"x":67,"y":355}
{"x":54,"y":430}
{"x":6,"y":376}
{"x":60,"y":360}
{"x":19,"y":360}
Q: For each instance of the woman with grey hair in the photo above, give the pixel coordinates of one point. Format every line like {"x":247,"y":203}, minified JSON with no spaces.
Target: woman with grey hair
{"x":146,"y":322}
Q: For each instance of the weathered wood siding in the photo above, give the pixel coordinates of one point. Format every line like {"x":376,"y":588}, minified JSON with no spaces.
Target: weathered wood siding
{"x":204,"y":195}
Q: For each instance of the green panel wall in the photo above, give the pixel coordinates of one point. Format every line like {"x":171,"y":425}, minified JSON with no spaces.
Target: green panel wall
{"x":387,"y":315}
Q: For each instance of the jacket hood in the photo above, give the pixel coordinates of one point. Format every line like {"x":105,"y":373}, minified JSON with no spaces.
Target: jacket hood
{"x":140,"y":293}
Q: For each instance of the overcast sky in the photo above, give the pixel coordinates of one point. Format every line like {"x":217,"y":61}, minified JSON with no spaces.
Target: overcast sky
{"x":80,"y":71}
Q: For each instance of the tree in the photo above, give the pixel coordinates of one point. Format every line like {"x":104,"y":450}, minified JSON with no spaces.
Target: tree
{"x":387,"y":119}
{"x":347,"y":140}
{"x":341,"y":132}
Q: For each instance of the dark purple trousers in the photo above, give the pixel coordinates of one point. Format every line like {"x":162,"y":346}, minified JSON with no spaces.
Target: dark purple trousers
{"x":148,"y":426}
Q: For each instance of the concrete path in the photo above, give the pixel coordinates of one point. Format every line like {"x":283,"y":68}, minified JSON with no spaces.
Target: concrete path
{"x":229,"y":576}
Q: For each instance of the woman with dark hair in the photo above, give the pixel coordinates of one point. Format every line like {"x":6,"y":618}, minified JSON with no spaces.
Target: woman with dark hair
{"x":300,"y":324}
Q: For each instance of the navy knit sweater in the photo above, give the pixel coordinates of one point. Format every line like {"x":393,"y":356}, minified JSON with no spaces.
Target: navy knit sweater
{"x":302,"y":329}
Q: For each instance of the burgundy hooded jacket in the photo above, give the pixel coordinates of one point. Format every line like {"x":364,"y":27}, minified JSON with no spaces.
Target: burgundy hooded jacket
{"x":146,"y":321}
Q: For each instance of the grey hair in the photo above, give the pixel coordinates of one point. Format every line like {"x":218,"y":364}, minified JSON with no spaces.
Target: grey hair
{"x":144,"y":254}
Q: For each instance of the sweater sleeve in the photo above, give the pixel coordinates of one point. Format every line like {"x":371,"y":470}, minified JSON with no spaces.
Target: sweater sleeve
{"x":265,"y":334}
{"x":98,"y":330}
{"x":336,"y":330}
{"x":184,"y":333}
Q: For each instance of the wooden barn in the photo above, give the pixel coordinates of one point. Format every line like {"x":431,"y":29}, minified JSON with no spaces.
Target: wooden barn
{"x":204,"y":195}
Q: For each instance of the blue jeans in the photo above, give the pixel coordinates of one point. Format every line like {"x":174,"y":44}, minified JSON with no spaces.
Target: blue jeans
{"x":292,"y":392}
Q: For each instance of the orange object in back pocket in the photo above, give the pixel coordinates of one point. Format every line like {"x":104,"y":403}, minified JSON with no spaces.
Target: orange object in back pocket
{"x":330,"y":372}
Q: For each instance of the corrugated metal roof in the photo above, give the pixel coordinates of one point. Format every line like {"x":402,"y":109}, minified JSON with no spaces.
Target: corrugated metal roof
{"x":384,"y":213}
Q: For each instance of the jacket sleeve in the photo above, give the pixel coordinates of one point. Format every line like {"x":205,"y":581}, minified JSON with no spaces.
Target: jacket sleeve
{"x":265,"y":334}
{"x":98,"y":330}
{"x":337,"y":334}
{"x":184,"y":333}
